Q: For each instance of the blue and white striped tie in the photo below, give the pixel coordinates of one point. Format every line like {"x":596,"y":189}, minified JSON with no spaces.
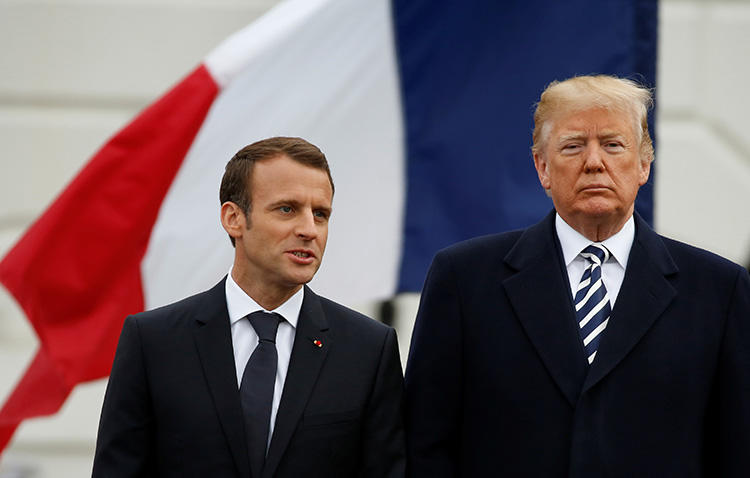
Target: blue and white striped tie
{"x":591,"y":300}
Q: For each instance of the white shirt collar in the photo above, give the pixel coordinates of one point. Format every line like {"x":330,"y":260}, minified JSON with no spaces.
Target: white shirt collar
{"x":573,"y":242}
{"x":239,"y":304}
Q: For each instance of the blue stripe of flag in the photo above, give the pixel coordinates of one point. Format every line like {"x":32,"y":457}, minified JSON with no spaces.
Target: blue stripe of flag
{"x":470,"y":75}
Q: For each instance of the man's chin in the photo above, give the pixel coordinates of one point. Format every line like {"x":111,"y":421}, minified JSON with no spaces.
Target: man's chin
{"x":299,"y":278}
{"x":599,"y":207}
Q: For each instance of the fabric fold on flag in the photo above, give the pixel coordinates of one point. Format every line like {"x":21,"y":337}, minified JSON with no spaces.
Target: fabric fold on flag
{"x":76,"y":271}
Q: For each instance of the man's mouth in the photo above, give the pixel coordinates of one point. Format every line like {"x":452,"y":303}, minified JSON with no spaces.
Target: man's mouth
{"x":302,"y":256}
{"x":595,"y":186}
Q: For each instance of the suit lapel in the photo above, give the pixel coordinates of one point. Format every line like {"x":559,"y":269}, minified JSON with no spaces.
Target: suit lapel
{"x":540,"y":296}
{"x":644,"y":295}
{"x":304,"y":366}
{"x":214,"y":342}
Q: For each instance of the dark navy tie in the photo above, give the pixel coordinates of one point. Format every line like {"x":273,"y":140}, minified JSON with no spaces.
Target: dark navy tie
{"x":591,"y":300}
{"x":256,"y":388}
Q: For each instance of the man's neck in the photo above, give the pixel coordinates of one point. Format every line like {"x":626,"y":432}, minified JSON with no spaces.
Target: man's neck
{"x":266,"y":296}
{"x":597,"y":229}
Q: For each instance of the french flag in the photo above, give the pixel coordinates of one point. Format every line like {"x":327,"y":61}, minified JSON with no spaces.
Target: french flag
{"x":423,"y":108}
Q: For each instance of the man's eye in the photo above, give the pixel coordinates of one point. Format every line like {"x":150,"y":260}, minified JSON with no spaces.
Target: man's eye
{"x":321,"y":214}
{"x":285,"y":209}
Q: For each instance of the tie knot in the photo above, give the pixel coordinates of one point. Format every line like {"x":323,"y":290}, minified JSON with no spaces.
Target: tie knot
{"x":265,"y":325}
{"x":596,"y":253}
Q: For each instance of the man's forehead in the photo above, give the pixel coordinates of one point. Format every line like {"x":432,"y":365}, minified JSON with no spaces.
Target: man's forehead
{"x":599,"y":121}
{"x":290,"y":182}
{"x":281,"y":165}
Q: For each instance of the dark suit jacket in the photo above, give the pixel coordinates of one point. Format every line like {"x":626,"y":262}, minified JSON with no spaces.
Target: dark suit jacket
{"x":172,"y":406}
{"x":497,"y":383}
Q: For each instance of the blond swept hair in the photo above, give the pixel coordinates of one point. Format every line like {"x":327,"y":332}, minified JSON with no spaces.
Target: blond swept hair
{"x":581,"y":93}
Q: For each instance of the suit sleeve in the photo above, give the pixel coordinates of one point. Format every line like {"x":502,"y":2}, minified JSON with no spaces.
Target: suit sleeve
{"x":384,"y":451}
{"x":125,"y":442}
{"x":733,"y":400}
{"x":433,"y":378}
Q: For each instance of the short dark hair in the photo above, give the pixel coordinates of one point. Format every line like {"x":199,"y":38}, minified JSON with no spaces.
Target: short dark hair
{"x":235,"y":185}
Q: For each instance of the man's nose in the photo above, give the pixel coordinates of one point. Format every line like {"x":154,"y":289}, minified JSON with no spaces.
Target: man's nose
{"x":594,"y":158}
{"x":305,"y":227}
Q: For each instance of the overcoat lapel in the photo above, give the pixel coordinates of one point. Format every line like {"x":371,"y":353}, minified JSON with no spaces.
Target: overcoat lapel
{"x":304,"y":366}
{"x":213,"y":340}
{"x":644,"y":295}
{"x":540,"y":295}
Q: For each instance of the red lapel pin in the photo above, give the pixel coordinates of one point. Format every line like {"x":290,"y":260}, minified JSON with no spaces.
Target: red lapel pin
{"x":318,"y":343}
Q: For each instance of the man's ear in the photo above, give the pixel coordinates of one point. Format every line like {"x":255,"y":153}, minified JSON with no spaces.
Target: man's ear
{"x":542,"y":170}
{"x":233,"y":219}
{"x":644,"y":173}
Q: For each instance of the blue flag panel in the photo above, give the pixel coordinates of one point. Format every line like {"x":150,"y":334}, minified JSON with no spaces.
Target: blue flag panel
{"x":471,"y":73}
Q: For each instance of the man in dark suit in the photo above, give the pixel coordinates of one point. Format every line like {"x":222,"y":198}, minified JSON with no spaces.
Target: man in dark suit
{"x":258,"y":376}
{"x":586,"y":345}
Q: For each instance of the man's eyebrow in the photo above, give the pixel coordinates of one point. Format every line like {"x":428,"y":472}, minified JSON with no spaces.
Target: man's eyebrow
{"x":570,"y":137}
{"x":296,"y":204}
{"x":610,"y":134}
{"x":613,"y":135}
{"x":284,"y":202}
{"x":578,"y":136}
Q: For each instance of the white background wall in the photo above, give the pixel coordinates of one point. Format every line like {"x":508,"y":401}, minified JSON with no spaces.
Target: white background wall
{"x":72,"y":72}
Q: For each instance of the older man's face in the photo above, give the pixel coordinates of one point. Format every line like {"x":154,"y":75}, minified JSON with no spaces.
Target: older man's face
{"x":591,"y":166}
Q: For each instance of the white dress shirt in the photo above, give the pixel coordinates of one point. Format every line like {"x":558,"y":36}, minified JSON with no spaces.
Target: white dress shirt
{"x":613,"y":271}
{"x":244,"y":338}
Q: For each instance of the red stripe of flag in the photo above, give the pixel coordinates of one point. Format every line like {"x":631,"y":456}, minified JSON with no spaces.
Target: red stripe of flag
{"x":76,"y":270}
